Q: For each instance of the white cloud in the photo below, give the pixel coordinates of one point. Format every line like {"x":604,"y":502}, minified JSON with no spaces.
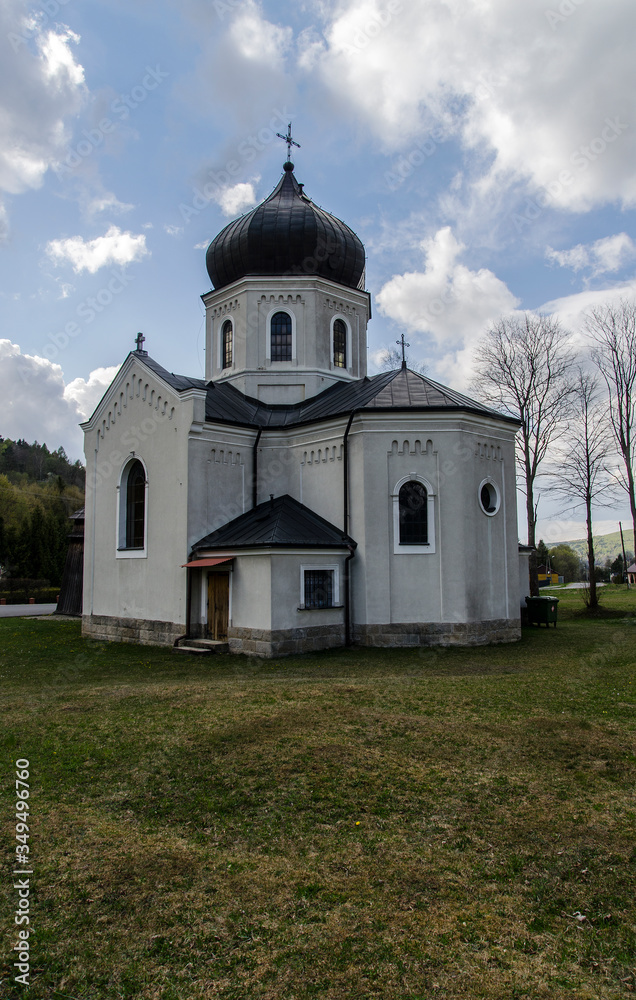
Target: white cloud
{"x":173,"y":230}
{"x":447,"y":301}
{"x":236,"y":199}
{"x":257,"y":39}
{"x":41,"y":90}
{"x":201,"y":246}
{"x":38,"y":406}
{"x":533,"y":101}
{"x":107,"y":202}
{"x":115,"y":247}
{"x":86,"y":394}
{"x":605,"y":255}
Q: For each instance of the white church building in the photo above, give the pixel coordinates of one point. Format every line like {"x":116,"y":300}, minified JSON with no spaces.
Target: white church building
{"x":288,"y":501}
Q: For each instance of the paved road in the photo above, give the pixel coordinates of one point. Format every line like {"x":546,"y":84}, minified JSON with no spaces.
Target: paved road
{"x":20,"y":610}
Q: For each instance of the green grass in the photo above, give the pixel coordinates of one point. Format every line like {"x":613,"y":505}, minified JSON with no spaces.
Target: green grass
{"x":353,"y":824}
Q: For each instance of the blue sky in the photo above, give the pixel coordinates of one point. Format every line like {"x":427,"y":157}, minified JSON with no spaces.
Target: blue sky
{"x":483,"y":150}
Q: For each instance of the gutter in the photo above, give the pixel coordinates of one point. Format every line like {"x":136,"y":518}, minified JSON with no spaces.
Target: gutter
{"x":255,"y":467}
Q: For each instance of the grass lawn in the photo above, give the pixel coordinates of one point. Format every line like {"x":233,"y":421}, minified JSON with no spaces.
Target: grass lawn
{"x":354,"y":824}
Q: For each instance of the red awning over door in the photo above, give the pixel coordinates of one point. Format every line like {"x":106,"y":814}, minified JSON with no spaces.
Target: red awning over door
{"x":204,"y":563}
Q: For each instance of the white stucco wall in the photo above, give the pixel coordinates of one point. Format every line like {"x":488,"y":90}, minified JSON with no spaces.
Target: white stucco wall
{"x":139,"y":415}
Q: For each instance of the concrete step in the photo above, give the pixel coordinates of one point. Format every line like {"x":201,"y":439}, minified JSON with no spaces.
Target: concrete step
{"x":201,"y":646}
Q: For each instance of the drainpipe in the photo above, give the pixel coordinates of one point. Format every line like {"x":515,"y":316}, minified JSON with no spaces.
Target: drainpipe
{"x":255,"y":467}
{"x":345,"y":505}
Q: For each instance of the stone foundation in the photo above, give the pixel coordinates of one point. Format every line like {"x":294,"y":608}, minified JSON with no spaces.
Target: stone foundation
{"x":138,"y":630}
{"x":287,"y":642}
{"x":284,"y":642}
{"x":438,"y":633}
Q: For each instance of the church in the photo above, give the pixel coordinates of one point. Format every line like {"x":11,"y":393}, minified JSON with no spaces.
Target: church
{"x":289,"y":502}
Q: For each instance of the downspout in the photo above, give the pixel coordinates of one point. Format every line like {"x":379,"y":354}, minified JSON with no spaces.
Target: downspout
{"x":186,"y":634}
{"x":345,"y":506}
{"x":255,"y":467}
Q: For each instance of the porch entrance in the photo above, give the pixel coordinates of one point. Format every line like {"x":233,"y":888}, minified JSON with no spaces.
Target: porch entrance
{"x":218,"y":605}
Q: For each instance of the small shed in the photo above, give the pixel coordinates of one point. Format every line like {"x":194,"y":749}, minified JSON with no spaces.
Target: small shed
{"x":631,"y":573}
{"x":70,"y":599}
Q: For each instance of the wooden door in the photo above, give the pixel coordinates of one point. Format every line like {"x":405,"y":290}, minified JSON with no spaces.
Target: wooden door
{"x":218,"y":605}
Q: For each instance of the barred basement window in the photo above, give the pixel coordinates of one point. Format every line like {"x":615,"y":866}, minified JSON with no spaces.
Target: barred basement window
{"x":413,"y":504}
{"x":227,"y":344}
{"x":318,"y":588}
{"x":339,"y":344}
{"x":281,"y":336}
{"x":135,"y":506}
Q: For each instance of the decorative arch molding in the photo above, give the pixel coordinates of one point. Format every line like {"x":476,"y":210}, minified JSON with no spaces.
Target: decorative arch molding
{"x":140,"y":391}
{"x":132,"y":504}
{"x":416,"y":447}
{"x":423,"y":549}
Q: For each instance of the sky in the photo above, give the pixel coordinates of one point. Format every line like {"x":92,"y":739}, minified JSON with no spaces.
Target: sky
{"x":483,"y":150}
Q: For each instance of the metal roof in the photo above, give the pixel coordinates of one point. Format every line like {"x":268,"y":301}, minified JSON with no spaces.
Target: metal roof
{"x":395,"y":390}
{"x":278,"y":522}
{"x":286,"y":234}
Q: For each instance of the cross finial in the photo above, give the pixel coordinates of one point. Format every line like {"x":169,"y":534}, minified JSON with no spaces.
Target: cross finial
{"x":140,"y":341}
{"x":288,"y":139}
{"x":401,"y":342}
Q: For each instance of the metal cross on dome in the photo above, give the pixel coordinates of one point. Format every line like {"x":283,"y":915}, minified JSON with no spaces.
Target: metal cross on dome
{"x":401,"y":342}
{"x":290,"y":142}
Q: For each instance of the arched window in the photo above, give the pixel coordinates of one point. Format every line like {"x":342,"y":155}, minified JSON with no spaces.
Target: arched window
{"x":226,"y":344}
{"x":135,"y":506}
{"x":281,"y":336}
{"x":413,"y":507}
{"x":339,"y":344}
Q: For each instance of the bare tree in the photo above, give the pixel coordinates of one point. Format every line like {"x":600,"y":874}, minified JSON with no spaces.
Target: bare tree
{"x":613,"y":330}
{"x":391,"y":358}
{"x":582,"y":477}
{"x":523,"y":367}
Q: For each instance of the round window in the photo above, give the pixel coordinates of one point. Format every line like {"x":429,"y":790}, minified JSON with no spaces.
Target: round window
{"x":489,"y":498}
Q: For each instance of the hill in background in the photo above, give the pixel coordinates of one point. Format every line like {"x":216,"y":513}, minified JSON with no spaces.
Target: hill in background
{"x":604,"y":545}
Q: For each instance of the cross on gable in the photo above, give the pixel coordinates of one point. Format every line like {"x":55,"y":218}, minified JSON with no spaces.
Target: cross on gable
{"x":401,"y":342}
{"x":140,"y":341}
{"x":288,"y":139}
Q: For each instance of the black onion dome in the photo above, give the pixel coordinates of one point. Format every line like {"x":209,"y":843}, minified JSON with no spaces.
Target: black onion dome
{"x":286,"y":234}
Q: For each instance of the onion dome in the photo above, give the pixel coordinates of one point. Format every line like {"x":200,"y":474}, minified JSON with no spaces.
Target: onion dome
{"x":286,"y":235}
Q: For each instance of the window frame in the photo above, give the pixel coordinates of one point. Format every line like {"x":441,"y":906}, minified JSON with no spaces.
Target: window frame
{"x":222,"y":364}
{"x":320,"y":567}
{"x":348,"y":342}
{"x":268,"y":339}
{"x":424,"y":548}
{"x":124,"y":551}
{"x":489,"y":482}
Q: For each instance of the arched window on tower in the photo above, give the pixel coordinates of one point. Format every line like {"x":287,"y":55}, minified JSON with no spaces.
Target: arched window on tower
{"x":339,"y":344}
{"x":135,"y":506}
{"x":227,"y":344}
{"x":281,"y":336}
{"x":413,"y":506}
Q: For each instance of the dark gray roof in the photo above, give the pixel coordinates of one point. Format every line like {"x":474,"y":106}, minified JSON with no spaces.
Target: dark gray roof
{"x":286,"y":234}
{"x":396,"y":390}
{"x":282,"y":521}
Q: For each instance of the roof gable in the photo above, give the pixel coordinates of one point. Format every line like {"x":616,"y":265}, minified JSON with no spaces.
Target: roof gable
{"x":279,"y":522}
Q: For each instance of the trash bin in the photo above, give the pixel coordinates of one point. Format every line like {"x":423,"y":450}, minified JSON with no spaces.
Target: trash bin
{"x":542,"y":610}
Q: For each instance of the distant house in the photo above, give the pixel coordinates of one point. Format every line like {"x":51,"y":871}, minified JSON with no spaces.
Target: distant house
{"x":631,"y":573}
{"x":546,"y":577}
